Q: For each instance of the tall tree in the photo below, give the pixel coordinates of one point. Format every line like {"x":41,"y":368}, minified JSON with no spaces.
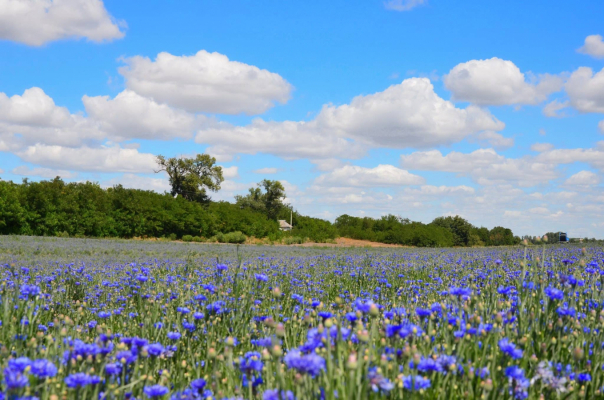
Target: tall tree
{"x":269,"y":201}
{"x":192,"y":177}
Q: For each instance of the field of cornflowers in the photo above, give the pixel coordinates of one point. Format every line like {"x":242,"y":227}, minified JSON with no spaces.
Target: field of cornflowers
{"x":100,"y":319}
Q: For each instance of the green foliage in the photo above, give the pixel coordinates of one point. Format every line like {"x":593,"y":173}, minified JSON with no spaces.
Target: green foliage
{"x":442,"y":232}
{"x":56,"y":208}
{"x":191,"y":177}
{"x":187,"y":238}
{"x":197,"y":239}
{"x":232,"y":237}
{"x":269,"y":201}
{"x":459,"y":228}
{"x":316,"y":229}
{"x":293,"y":240}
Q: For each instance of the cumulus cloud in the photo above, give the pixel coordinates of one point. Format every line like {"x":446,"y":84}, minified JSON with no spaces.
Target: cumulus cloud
{"x":541,"y":147}
{"x":484,"y":166}
{"x":205,"y":82}
{"x":601,"y":126}
{"x":130,"y":115}
{"x":586,"y":90}
{"x":592,"y":156}
{"x":266,"y":171}
{"x":594,"y":46}
{"x":134,"y":181}
{"x":47,"y":173}
{"x":493,"y":139}
{"x":409,"y":114}
{"x":552,"y":109}
{"x":583,"y":178}
{"x":285,"y":139}
{"x":430,"y":190}
{"x":35,"y":118}
{"x":230,"y":172}
{"x":36,"y":22}
{"x":103,"y":159}
{"x":498,"y":82}
{"x":380,"y":176}
{"x":403,"y":5}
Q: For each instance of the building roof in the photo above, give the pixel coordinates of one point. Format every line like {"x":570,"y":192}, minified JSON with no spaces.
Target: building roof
{"x":284,"y":224}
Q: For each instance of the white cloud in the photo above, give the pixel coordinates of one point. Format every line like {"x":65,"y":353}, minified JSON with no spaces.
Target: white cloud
{"x":327,"y":164}
{"x":380,"y":176}
{"x":36,"y":22}
{"x":484,"y":166}
{"x":583,"y":178}
{"x":430,"y":190}
{"x":133,"y":181}
{"x":103,"y":159}
{"x":593,"y":157}
{"x":498,"y":82}
{"x":601,"y":126}
{"x":539,"y":210}
{"x":409,"y":114}
{"x":35,"y":118}
{"x":551,"y":109}
{"x":586,"y":90}
{"x":594,"y":46}
{"x":403,"y":5}
{"x":47,"y":173}
{"x":266,"y":171}
{"x":541,"y":147}
{"x":205,"y":82}
{"x":130,"y":115}
{"x":493,"y":139}
{"x":230,"y":172}
{"x":513,"y":214}
{"x":286,"y":139}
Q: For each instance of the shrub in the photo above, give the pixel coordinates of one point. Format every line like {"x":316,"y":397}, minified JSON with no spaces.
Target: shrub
{"x":235,"y":237}
{"x":187,"y":238}
{"x":293,"y":240}
{"x":197,"y":239}
{"x":172,"y":236}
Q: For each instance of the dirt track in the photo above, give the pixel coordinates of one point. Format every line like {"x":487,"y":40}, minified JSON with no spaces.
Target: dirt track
{"x":346,"y":242}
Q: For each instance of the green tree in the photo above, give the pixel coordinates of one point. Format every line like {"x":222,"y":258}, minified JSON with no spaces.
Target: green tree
{"x":459,"y":227}
{"x":192,"y":177}
{"x":269,"y":201}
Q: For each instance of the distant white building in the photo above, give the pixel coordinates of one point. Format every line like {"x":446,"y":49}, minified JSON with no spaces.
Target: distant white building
{"x":284,"y":226}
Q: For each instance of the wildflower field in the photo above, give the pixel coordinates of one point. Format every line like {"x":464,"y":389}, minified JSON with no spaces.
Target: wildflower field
{"x":92,"y":319}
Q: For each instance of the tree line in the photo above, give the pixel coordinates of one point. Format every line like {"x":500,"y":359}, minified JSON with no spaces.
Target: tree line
{"x":85,"y":209}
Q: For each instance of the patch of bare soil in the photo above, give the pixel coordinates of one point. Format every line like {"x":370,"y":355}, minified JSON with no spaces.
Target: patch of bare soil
{"x":346,"y":242}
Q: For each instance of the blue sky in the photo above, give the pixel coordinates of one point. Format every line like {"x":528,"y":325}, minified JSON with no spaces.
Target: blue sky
{"x":491,"y":111}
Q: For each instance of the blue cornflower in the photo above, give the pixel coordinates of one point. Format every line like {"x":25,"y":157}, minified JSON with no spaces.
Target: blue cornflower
{"x":311,"y":364}
{"x":416,"y":382}
{"x":429,"y":365}
{"x":155,"y":391}
{"x":155,"y":349}
{"x":422,"y":312}
{"x":198,"y":384}
{"x":261,"y":277}
{"x":460,"y":292}
{"x":554,"y":294}
{"x":174,"y":335}
{"x":81,"y":379}
{"x":43,"y":369}
{"x":19,"y":364}
{"x":15,"y":379}
{"x":379,"y":382}
{"x":509,"y":348}
{"x":274,"y":394}
{"x":113,"y":368}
